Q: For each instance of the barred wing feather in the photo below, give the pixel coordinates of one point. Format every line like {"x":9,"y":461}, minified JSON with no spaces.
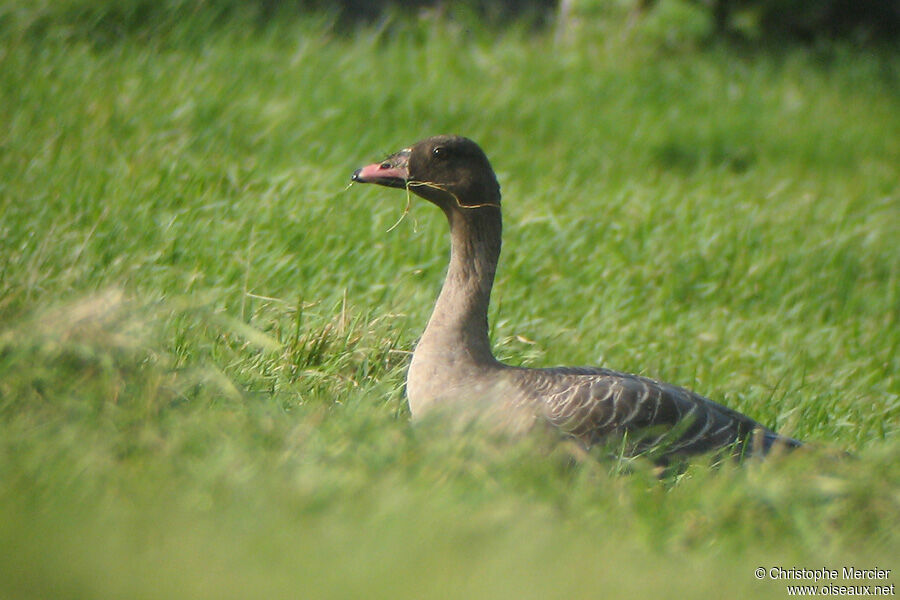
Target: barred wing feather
{"x":598,"y":405}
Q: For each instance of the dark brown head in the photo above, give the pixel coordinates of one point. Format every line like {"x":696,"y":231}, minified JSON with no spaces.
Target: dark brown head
{"x":449,"y":170}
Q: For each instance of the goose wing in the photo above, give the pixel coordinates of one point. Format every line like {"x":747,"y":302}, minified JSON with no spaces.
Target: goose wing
{"x":599,"y":405}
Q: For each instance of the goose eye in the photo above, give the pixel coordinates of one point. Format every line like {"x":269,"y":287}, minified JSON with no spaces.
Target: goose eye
{"x":438,"y":151}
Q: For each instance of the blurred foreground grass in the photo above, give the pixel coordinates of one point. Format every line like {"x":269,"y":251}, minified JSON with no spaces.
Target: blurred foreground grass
{"x":203,"y":335}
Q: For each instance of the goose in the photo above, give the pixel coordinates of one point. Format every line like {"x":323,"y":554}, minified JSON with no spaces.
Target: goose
{"x":454,"y":371}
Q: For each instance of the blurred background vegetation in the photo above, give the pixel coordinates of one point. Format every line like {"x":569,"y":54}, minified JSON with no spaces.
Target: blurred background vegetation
{"x":861,"y":21}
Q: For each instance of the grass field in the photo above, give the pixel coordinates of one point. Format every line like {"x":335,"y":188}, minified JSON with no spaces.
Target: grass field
{"x":204,"y":333}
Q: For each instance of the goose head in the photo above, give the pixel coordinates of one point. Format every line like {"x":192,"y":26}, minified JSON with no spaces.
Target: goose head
{"x":450,"y":171}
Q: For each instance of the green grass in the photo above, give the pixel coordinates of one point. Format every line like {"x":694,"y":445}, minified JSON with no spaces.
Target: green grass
{"x":204,"y":335}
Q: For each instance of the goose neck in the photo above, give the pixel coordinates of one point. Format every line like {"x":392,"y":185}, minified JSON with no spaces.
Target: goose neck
{"x":459,"y":320}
